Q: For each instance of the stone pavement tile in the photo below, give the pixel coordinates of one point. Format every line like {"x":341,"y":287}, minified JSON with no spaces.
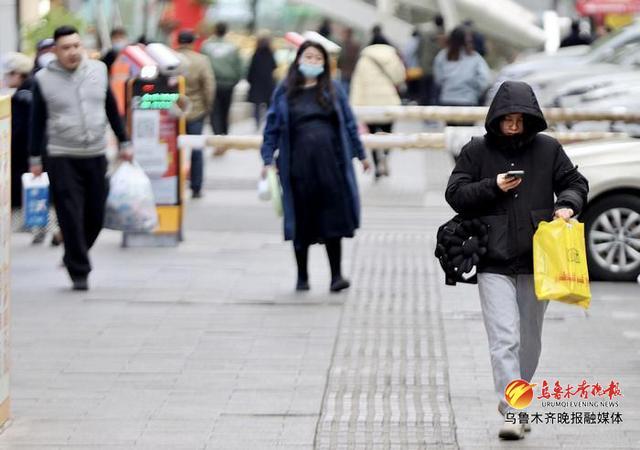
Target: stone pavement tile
{"x":35,"y":432}
{"x":205,"y":381}
{"x":106,"y":433}
{"x":33,"y":447}
{"x":158,"y":445}
{"x":169,"y":363}
{"x":173,"y":410}
{"x":56,"y":393}
{"x":216,"y":341}
{"x":133,"y":381}
{"x":299,"y":428}
{"x":208,"y":404}
{"x":97,"y":363}
{"x":276,"y":380}
{"x":267,"y":425}
{"x":307,"y":400}
{"x":213,"y":365}
{"x":134,"y":405}
{"x":229,"y":443}
{"x":260,"y":402}
{"x":65,"y":409}
{"x":180,"y":438}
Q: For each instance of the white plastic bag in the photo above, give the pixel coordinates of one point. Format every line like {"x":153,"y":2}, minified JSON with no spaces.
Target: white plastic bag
{"x":130,"y":205}
{"x":264,"y":191}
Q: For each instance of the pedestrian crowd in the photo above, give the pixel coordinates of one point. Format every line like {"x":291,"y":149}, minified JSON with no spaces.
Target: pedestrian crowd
{"x":63,"y":104}
{"x":63,"y":101}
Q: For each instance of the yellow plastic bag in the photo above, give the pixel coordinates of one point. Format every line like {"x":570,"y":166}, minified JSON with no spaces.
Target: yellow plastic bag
{"x":560,"y":263}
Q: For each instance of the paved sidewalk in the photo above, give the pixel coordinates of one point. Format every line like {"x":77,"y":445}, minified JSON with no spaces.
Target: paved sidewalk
{"x":207,"y":346}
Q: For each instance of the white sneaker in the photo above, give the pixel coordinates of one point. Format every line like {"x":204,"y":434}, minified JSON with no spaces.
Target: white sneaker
{"x":511,"y":431}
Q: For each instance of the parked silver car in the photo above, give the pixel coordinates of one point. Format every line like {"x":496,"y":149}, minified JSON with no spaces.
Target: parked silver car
{"x":600,"y":51}
{"x":620,"y":69}
{"x":612,"y":215}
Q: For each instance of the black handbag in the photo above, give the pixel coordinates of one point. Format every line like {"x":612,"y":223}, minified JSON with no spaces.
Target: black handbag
{"x":460,"y":245}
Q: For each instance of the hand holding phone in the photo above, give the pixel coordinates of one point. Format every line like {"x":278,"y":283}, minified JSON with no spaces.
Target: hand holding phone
{"x":507,"y":181}
{"x":515,"y":174}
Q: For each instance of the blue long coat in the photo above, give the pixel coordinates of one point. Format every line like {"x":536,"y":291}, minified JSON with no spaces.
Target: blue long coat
{"x":276,"y":137}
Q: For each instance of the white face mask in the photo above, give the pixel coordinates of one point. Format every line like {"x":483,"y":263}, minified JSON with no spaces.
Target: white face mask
{"x":45,"y":59}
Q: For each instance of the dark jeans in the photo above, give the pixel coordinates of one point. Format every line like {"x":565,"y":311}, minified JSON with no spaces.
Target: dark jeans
{"x":221,"y":107}
{"x":197,"y":161}
{"x":429,"y":91}
{"x":79,"y":189}
{"x":414,"y":88}
{"x":259,"y":112}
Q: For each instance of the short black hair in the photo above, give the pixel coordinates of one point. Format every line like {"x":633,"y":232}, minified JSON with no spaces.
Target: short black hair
{"x":64,"y":30}
{"x":221,"y":29}
{"x":118,"y":31}
{"x":438,"y":20}
{"x":186,"y":37}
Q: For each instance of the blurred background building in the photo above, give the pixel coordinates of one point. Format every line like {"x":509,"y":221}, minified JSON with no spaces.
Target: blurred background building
{"x":511,"y":24}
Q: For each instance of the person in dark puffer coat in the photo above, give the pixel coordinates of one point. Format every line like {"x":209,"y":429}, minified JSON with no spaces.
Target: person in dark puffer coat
{"x":511,"y":208}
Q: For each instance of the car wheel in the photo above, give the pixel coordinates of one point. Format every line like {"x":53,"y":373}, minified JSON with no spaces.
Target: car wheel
{"x":612,"y":229}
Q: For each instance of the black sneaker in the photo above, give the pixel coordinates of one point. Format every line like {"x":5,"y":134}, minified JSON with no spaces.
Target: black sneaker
{"x":339,"y":284}
{"x":80,"y":284}
{"x":302,"y":285}
{"x":196,"y":194}
{"x":56,"y":239}
{"x":39,"y":237}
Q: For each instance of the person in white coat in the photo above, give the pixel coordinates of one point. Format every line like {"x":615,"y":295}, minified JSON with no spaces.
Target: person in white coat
{"x":375,"y":81}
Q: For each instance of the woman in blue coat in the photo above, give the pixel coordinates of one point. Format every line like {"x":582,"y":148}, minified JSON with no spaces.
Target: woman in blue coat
{"x":313,"y":130}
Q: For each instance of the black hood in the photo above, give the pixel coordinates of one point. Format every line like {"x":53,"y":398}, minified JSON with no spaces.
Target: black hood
{"x":514,"y":97}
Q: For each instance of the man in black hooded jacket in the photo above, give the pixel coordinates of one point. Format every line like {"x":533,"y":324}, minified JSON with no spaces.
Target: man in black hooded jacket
{"x":512,"y":207}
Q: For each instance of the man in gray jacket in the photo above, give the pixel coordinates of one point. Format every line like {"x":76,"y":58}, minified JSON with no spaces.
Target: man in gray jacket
{"x":227,"y":68}
{"x":72,"y":103}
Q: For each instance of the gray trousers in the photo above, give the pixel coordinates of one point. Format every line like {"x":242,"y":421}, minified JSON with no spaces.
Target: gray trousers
{"x":513,"y":319}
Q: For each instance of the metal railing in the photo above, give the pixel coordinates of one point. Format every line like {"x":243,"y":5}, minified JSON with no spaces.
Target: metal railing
{"x":466,"y":114}
{"x":436,"y":140}
{"x":423,"y":141}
